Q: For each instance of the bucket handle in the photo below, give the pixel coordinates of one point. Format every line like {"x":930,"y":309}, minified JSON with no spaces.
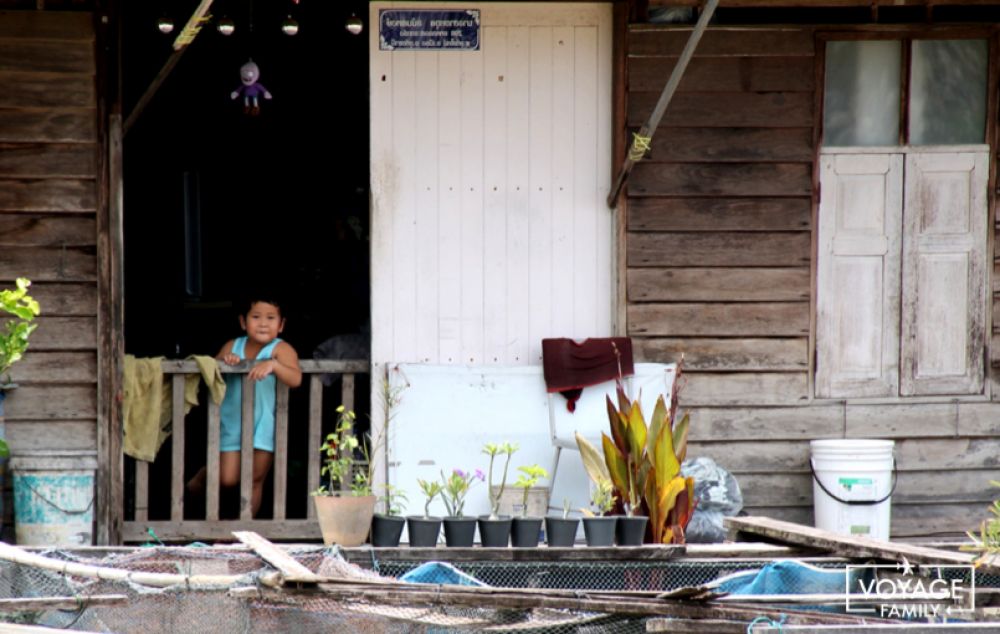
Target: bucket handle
{"x":56,"y":506}
{"x":812,"y":469}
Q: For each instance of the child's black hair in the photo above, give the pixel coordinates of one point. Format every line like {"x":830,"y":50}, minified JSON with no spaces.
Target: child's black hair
{"x":250,"y":300}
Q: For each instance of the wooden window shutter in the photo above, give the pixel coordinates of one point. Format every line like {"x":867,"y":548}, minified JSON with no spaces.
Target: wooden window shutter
{"x":944,"y":273}
{"x":857,"y":328}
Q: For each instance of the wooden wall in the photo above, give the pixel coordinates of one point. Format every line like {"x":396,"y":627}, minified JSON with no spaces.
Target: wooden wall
{"x":719,"y":250}
{"x":48,"y":203}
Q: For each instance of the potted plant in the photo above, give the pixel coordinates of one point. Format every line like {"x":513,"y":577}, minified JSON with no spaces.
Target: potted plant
{"x":345,"y":504}
{"x":494,"y":530}
{"x":387,"y":527}
{"x":424,"y":530}
{"x":459,"y":530}
{"x":598,"y":527}
{"x":22,"y":310}
{"x":561,"y":531}
{"x":525,"y":530}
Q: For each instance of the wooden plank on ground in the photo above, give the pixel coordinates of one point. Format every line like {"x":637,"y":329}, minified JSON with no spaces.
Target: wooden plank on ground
{"x":851,"y":545}
{"x":290,"y":569}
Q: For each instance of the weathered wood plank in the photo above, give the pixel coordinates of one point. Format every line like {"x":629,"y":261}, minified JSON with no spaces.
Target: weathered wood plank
{"x":978,"y":419}
{"x":48,"y":125}
{"x":31,"y":90}
{"x":48,"y":264}
{"x":901,"y":420}
{"x":731,"y":144}
{"x":280,"y":488}
{"x":41,"y":160}
{"x":290,"y":569}
{"x":718,"y":284}
{"x":725,"y":248}
{"x":221,"y":530}
{"x":48,"y":195}
{"x":212,"y":463}
{"x":746,"y":457}
{"x":314,"y":440}
{"x":743,"y":109}
{"x":651,"y":40}
{"x":51,"y":402}
{"x":65,"y":299}
{"x":46,"y":25}
{"x":65,"y":333}
{"x":724,"y":74}
{"x":779,"y":319}
{"x":936,"y":519}
{"x":765,"y":424}
{"x":23,"y":230}
{"x":47,"y":56}
{"x":720,"y":179}
{"x":37,"y":435}
{"x":40,"y":367}
{"x":746,"y":389}
{"x":719,"y":214}
{"x":727,"y":355}
{"x":952,"y":453}
{"x":177,"y":448}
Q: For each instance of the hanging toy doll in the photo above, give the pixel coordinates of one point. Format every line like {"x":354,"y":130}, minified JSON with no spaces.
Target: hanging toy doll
{"x":251,"y":89}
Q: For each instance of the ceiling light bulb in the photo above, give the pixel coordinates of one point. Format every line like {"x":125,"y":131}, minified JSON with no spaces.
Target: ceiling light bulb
{"x":165,"y":24}
{"x":354,"y":25}
{"x":225,"y":26}
{"x":290,"y":26}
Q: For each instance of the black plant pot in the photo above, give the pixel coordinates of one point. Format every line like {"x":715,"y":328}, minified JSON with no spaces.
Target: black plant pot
{"x":386,"y":530}
{"x":561,"y":531}
{"x":524,"y":532}
{"x":459,"y":532}
{"x":494,"y":533}
{"x":423,"y":531}
{"x":599,"y":531}
{"x":630,"y":531}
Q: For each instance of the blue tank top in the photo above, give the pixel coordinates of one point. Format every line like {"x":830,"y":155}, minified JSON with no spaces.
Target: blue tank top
{"x":264,"y":392}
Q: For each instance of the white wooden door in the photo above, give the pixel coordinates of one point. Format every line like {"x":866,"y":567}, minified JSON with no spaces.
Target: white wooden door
{"x":944,"y":285}
{"x":490,"y":169}
{"x":858,"y":271}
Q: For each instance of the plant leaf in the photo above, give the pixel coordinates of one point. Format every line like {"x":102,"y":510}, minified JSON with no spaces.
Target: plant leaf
{"x":667,"y":501}
{"x":617,"y":466}
{"x":593,"y":461}
{"x":680,"y":437}
{"x":656,"y":423}
{"x":666,"y":462}
{"x":636,"y":433}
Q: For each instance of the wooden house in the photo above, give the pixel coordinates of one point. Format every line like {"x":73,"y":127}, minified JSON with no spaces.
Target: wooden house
{"x":812,"y":227}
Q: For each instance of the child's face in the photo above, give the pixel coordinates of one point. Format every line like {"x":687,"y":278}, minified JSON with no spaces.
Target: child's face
{"x":263,"y":322}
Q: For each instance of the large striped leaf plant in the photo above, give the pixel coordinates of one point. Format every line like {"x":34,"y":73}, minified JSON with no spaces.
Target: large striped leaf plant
{"x":644,"y":460}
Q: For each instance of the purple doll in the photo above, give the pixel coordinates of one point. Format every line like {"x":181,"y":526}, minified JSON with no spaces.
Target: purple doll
{"x":251,"y":90}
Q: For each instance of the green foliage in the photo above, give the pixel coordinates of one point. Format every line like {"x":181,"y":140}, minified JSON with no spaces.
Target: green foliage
{"x":493,"y":450}
{"x":340,"y":448}
{"x":529,"y":477}
{"x":392,"y":497}
{"x":431,"y":489}
{"x":455,"y":486}
{"x":988,"y":541}
{"x":18,"y":327}
{"x":602,"y":498}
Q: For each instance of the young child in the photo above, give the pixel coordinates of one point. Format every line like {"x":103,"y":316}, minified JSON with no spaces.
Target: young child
{"x":275,"y":360}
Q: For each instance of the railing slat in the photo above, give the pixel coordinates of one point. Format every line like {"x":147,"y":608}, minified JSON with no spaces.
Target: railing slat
{"x":177,"y":466}
{"x":141,"y":490}
{"x":281,"y":451}
{"x":315,"y":429}
{"x":212,"y":463}
{"x":347,"y":391}
{"x":246,"y":451}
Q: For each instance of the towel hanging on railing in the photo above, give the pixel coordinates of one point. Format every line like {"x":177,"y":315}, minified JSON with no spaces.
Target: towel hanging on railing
{"x":569,"y":366}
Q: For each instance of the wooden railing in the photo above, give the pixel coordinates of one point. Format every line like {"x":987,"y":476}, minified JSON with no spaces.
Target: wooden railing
{"x":177,"y":528}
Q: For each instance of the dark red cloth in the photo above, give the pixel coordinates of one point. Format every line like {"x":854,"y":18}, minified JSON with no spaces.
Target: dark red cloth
{"x":569,"y":366}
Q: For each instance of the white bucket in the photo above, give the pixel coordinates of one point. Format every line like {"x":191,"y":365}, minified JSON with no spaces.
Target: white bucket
{"x":54,"y":498}
{"x":853,"y":480}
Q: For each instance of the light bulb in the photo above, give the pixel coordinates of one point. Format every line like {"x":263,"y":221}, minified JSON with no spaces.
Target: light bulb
{"x":225,"y":26}
{"x":290,"y":26}
{"x":354,"y":25}
{"x":165,"y":24}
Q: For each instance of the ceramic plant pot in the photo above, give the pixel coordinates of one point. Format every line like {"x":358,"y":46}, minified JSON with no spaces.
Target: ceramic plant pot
{"x":386,"y":530}
{"x":459,"y":532}
{"x":344,"y":520}
{"x":561,"y":531}
{"x":599,"y":531}
{"x":525,"y":532}
{"x":494,"y":533}
{"x":630,"y":531}
{"x":423,"y":531}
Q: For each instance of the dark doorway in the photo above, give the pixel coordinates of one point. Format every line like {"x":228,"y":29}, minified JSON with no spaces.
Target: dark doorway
{"x":220,"y":204}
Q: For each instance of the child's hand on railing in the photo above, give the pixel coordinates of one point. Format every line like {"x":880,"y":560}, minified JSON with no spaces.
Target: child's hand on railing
{"x":230,"y":358}
{"x":262,"y":369}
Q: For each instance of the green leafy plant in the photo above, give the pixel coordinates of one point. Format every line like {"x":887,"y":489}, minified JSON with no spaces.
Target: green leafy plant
{"x":565,"y":514}
{"x":455,"y":486}
{"x":529,"y":477}
{"x":602,"y":498}
{"x":493,"y":450}
{"x":644,"y":462}
{"x":431,"y":489}
{"x":392,"y":499}
{"x":338,"y":466}
{"x":22,"y":309}
{"x":987,"y":543}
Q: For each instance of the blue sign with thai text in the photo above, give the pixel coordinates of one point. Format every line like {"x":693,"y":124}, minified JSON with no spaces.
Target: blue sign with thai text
{"x":428,"y":30}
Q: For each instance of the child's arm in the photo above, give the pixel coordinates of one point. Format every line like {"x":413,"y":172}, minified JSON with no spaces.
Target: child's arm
{"x":284,"y":363}
{"x":226,"y":353}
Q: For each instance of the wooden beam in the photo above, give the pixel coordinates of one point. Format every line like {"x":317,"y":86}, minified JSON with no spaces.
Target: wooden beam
{"x":764,"y":4}
{"x":291,"y":570}
{"x":35,"y":604}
